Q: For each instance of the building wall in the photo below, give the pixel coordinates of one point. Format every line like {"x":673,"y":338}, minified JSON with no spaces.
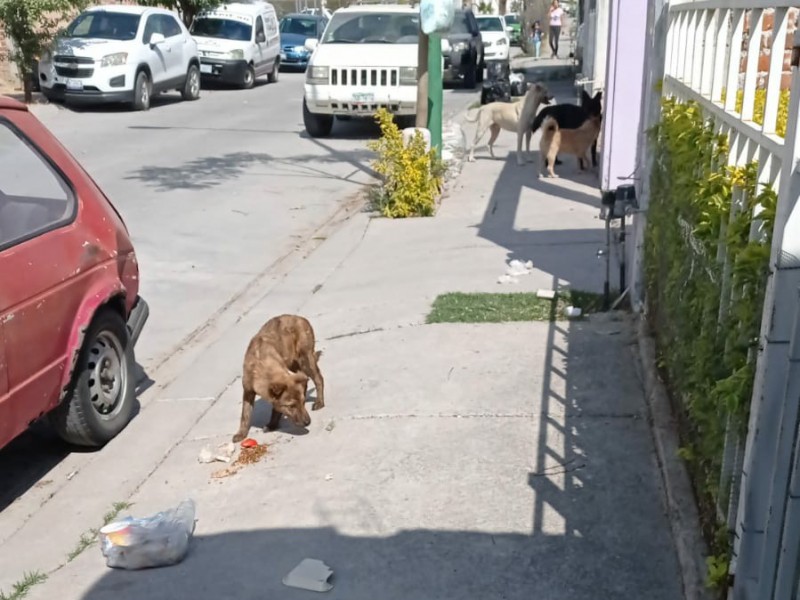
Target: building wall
{"x":765,"y":52}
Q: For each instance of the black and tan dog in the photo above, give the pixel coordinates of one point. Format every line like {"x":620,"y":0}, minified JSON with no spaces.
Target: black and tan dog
{"x":572,"y":116}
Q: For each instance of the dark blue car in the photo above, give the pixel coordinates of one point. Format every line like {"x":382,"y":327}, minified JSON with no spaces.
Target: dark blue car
{"x":295,"y":29}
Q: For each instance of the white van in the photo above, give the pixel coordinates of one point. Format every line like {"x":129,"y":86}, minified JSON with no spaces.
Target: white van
{"x":238,"y":42}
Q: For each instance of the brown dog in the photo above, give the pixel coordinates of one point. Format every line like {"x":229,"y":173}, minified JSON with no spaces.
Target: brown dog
{"x":569,"y":141}
{"x":277,"y":365}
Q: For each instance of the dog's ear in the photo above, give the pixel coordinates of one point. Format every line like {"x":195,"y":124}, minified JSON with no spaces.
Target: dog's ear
{"x":585,"y":98}
{"x":598,"y":96}
{"x":276,"y":389}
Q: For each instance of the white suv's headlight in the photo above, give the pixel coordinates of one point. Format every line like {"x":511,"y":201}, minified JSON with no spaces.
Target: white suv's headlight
{"x":236,"y":54}
{"x":114,"y":60}
{"x":408,"y":75}
{"x":318,"y":75}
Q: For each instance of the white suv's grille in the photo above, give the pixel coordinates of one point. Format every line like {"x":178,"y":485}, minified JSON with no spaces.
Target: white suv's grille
{"x":365,"y":76}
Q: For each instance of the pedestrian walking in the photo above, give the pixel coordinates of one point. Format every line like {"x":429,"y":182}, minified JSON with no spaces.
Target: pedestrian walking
{"x":555,"y":13}
{"x":536,"y":39}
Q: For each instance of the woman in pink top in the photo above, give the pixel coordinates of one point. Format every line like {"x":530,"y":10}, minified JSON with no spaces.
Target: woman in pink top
{"x":555,"y":13}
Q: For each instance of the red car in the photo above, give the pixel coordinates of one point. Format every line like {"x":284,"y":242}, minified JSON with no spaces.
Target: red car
{"x":70,"y":312}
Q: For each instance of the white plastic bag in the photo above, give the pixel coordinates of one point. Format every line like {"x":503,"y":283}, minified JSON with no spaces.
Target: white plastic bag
{"x":156,"y":541}
{"x":436,"y":16}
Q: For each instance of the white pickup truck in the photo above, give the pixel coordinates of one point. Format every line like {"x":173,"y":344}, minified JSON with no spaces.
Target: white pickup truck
{"x":366,"y":60}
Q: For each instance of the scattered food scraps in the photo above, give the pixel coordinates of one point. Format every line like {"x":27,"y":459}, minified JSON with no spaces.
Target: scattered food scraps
{"x":310,"y":574}
{"x":247,"y":456}
{"x":251,"y":455}
{"x":249,"y":443}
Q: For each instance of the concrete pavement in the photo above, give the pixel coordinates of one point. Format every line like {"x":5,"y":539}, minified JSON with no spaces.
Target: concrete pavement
{"x":451,"y":461}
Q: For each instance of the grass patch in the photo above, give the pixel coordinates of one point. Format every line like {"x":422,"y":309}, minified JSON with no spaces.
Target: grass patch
{"x":21,"y":588}
{"x":458,"y":307}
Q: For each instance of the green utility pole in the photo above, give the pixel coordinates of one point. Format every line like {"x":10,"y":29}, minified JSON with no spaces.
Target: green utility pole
{"x":435,"y":94}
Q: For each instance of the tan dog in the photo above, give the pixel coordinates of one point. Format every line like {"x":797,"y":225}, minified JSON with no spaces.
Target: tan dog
{"x":497,"y":116}
{"x":537,"y":95}
{"x":570,"y":141}
{"x":277,"y":365}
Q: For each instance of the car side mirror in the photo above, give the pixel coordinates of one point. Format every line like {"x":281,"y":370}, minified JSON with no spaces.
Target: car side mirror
{"x":311,"y":44}
{"x":156,"y":39}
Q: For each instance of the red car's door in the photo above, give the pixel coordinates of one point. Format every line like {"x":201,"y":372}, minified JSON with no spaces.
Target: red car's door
{"x":40,"y":289}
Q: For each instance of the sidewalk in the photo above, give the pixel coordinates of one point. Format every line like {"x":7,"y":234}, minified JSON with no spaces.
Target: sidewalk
{"x":451,"y":461}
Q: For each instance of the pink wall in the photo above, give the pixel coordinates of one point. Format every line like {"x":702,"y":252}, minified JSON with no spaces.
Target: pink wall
{"x":622,"y":102}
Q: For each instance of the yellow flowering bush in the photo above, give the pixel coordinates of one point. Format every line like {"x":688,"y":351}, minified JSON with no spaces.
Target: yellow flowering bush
{"x":760,"y":106}
{"x":412,"y":175}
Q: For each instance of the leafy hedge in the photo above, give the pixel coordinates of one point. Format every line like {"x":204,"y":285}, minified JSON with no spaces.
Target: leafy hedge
{"x":706,"y":277}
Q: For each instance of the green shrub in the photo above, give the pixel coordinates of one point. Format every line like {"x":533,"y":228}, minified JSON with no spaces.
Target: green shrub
{"x":706,"y":315}
{"x":760,"y":106}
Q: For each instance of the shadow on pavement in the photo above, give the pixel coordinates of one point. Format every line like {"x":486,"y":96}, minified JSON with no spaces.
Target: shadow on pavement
{"x":212,"y":171}
{"x":598,"y":528}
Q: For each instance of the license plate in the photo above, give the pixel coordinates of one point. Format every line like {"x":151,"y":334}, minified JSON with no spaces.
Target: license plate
{"x":363,"y":97}
{"x":205,"y":69}
{"x":74,"y":84}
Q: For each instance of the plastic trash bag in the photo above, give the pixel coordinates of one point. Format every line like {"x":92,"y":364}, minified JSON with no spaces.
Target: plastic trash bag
{"x":436,"y":16}
{"x":156,"y":541}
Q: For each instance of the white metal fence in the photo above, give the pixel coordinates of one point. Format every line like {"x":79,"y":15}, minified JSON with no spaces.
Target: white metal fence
{"x":729,"y":56}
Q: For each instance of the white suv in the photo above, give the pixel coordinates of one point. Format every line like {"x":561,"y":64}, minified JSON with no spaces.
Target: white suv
{"x":121,"y":54}
{"x":366,"y":60}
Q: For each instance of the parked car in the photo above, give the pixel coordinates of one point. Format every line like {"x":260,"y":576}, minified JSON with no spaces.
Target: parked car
{"x":238,"y":43}
{"x":513,"y":28}
{"x":121,"y":53}
{"x":366,"y":60}
{"x":295,"y":30}
{"x":462,"y":49}
{"x":495,"y":39}
{"x":70,"y":312}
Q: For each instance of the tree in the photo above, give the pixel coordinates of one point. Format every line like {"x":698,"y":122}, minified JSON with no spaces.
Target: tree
{"x":31,"y":25}
{"x":188,"y":9}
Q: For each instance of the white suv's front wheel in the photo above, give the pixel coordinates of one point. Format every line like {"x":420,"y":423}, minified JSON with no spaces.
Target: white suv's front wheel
{"x":316,"y":125}
{"x":191,"y":87}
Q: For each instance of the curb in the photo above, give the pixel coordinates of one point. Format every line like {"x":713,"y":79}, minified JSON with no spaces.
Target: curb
{"x":684,"y":519}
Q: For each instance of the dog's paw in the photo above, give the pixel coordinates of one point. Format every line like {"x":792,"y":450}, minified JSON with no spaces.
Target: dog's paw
{"x":238,"y":437}
{"x":317,"y":405}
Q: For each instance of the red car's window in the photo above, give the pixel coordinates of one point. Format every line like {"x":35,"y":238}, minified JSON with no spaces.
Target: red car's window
{"x":34,"y":198}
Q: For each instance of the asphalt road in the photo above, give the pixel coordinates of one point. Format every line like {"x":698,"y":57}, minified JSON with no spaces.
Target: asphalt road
{"x":214,"y":192}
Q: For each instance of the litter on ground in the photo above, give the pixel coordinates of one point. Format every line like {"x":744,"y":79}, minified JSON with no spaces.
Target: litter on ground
{"x":223,"y":453}
{"x":310,"y":574}
{"x":515,"y":269}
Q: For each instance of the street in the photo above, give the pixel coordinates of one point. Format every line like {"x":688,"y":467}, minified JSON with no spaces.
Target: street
{"x":215,"y":192}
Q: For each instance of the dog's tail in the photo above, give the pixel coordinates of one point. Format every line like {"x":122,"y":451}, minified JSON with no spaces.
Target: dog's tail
{"x":476,"y":113}
{"x":549,"y":126}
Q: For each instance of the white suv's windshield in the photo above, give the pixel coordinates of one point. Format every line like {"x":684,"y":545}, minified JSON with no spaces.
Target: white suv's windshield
{"x":490,"y":24}
{"x":225,"y":29}
{"x":372,"y":28}
{"x":104,"y":25}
